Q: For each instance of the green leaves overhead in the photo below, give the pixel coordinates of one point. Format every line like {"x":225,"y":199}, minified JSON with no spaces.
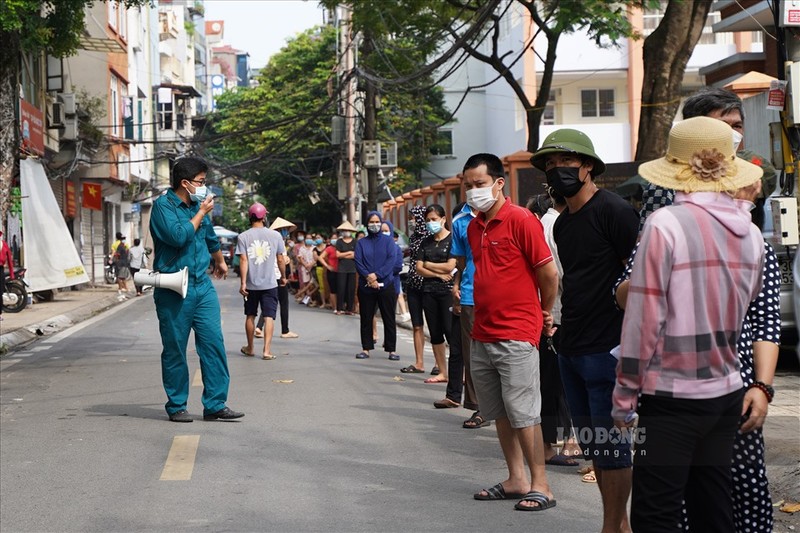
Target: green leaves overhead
{"x":282,"y":126}
{"x":54,"y":25}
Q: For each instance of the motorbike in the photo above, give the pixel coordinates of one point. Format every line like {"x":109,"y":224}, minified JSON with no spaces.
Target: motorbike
{"x":110,"y":270}
{"x":15,"y":295}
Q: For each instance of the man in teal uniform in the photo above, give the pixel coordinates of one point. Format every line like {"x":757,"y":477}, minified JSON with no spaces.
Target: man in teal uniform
{"x":184,"y":237}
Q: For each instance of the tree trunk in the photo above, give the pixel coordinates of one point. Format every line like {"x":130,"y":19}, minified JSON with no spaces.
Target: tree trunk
{"x":534,"y":115}
{"x":9,"y":141}
{"x":666,"y":53}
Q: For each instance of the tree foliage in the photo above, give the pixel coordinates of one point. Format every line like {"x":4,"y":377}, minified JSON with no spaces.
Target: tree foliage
{"x":278,"y":133}
{"x":473,"y":27}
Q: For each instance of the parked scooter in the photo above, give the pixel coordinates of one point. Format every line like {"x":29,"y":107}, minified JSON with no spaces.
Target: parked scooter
{"x":15,"y":295}
{"x":110,"y":270}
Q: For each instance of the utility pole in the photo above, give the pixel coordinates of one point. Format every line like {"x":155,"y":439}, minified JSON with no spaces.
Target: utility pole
{"x":370,"y":125}
{"x":350,"y":112}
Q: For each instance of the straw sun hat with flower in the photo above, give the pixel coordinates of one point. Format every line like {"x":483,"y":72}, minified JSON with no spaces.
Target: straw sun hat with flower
{"x":701,"y":158}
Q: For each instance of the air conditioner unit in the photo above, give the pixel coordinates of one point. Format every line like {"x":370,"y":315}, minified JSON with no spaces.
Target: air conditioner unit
{"x":70,"y":131}
{"x":57,"y":117}
{"x":68,"y":99}
{"x":388,"y":155}
{"x":371,"y":154}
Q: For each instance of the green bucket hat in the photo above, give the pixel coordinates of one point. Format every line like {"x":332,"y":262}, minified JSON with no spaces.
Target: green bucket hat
{"x":568,"y":140}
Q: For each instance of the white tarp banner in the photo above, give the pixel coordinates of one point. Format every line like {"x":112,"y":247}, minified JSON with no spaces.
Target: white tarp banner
{"x":50,"y":255}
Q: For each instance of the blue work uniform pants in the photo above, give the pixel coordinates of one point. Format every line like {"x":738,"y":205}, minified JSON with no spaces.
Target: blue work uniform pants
{"x":177,"y":316}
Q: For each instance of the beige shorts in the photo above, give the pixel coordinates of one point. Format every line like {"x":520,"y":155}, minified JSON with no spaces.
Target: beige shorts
{"x":506,"y":379}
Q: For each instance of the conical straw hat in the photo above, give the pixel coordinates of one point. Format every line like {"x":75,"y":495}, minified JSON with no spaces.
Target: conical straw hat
{"x":346,"y":226}
{"x":281,"y":223}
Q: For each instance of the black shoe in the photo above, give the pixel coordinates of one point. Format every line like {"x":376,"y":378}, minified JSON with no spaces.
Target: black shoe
{"x":180,"y":416}
{"x":223,"y":414}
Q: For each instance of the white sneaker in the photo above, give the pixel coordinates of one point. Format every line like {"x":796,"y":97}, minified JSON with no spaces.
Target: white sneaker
{"x":306,"y":300}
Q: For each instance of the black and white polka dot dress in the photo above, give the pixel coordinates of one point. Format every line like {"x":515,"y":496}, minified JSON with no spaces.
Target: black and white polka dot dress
{"x":752,"y":505}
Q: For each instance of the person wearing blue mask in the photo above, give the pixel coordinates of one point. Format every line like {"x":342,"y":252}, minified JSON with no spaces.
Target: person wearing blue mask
{"x":378,"y":262}
{"x":183,"y":237}
{"x":437,"y":269}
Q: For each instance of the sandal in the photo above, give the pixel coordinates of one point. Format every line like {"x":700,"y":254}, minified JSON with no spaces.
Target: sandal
{"x":589,"y":477}
{"x":561,"y":460}
{"x":537,"y":497}
{"x":446,"y":404}
{"x":245,"y":352}
{"x":435,"y":380}
{"x":435,"y":371}
{"x":498,"y":492}
{"x":411,"y":369}
{"x":475,"y":421}
{"x":268,"y":357}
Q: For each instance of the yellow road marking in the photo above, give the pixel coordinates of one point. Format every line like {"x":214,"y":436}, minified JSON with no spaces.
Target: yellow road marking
{"x":180,"y":461}
{"x":197,"y":380}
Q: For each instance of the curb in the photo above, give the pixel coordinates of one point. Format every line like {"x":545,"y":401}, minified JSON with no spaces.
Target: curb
{"x":27,"y":334}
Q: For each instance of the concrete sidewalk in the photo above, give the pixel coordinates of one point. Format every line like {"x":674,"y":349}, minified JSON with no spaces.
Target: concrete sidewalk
{"x":68,"y":308}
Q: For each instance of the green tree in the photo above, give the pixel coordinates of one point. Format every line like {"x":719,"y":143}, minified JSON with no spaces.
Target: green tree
{"x":234,"y":210}
{"x":278,"y":134}
{"x":666,"y":53}
{"x":31,"y":26}
{"x":474,"y":27}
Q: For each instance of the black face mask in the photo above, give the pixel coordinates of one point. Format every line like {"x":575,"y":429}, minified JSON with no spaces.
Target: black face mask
{"x":565,"y":180}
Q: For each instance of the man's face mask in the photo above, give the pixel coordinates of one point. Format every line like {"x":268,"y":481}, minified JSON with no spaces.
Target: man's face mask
{"x":347,"y":234}
{"x":199,"y":194}
{"x":374,"y":227}
{"x":565,"y":180}
{"x":482,"y":198}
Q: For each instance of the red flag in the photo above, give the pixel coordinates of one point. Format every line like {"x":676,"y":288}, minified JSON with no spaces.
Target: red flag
{"x":92,"y":196}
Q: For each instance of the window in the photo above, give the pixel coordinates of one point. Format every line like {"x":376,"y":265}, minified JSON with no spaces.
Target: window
{"x":652,"y":18}
{"x":123,"y":168}
{"x":443,"y":145}
{"x":123,"y":21}
{"x":113,"y":11}
{"x":165,"y":108}
{"x":549,"y":114}
{"x":140,"y":116}
{"x":114,"y":103}
{"x":597,"y":103}
{"x":127,"y":116}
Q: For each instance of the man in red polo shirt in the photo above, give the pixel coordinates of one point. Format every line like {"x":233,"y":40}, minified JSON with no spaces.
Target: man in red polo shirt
{"x":514,"y":289}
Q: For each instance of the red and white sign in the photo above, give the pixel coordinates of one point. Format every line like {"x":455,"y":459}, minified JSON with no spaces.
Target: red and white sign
{"x":70,"y":205}
{"x":31,"y":123}
{"x":793,"y":16}
{"x":776,"y":98}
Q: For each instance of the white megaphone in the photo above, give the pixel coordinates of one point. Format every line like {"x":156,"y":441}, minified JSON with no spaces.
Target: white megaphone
{"x":176,"y":281}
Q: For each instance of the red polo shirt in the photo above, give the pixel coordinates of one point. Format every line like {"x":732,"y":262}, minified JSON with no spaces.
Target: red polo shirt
{"x":506,"y":251}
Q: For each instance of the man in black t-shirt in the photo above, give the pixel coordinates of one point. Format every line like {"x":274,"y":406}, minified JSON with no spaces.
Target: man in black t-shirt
{"x":595,"y":235}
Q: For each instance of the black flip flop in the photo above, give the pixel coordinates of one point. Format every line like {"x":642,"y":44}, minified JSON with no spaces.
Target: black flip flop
{"x":475,"y":421}
{"x":411,"y":369}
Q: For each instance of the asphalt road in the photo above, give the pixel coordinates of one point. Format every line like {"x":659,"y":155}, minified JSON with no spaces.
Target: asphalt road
{"x":85,"y":444}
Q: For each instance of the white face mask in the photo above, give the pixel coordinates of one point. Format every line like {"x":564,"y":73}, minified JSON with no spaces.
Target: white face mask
{"x":481,"y":199}
{"x":199,"y":193}
{"x":737,"y":140}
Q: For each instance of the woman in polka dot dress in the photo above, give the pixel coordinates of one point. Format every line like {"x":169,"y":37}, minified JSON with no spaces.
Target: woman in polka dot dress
{"x":758,"y":356}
